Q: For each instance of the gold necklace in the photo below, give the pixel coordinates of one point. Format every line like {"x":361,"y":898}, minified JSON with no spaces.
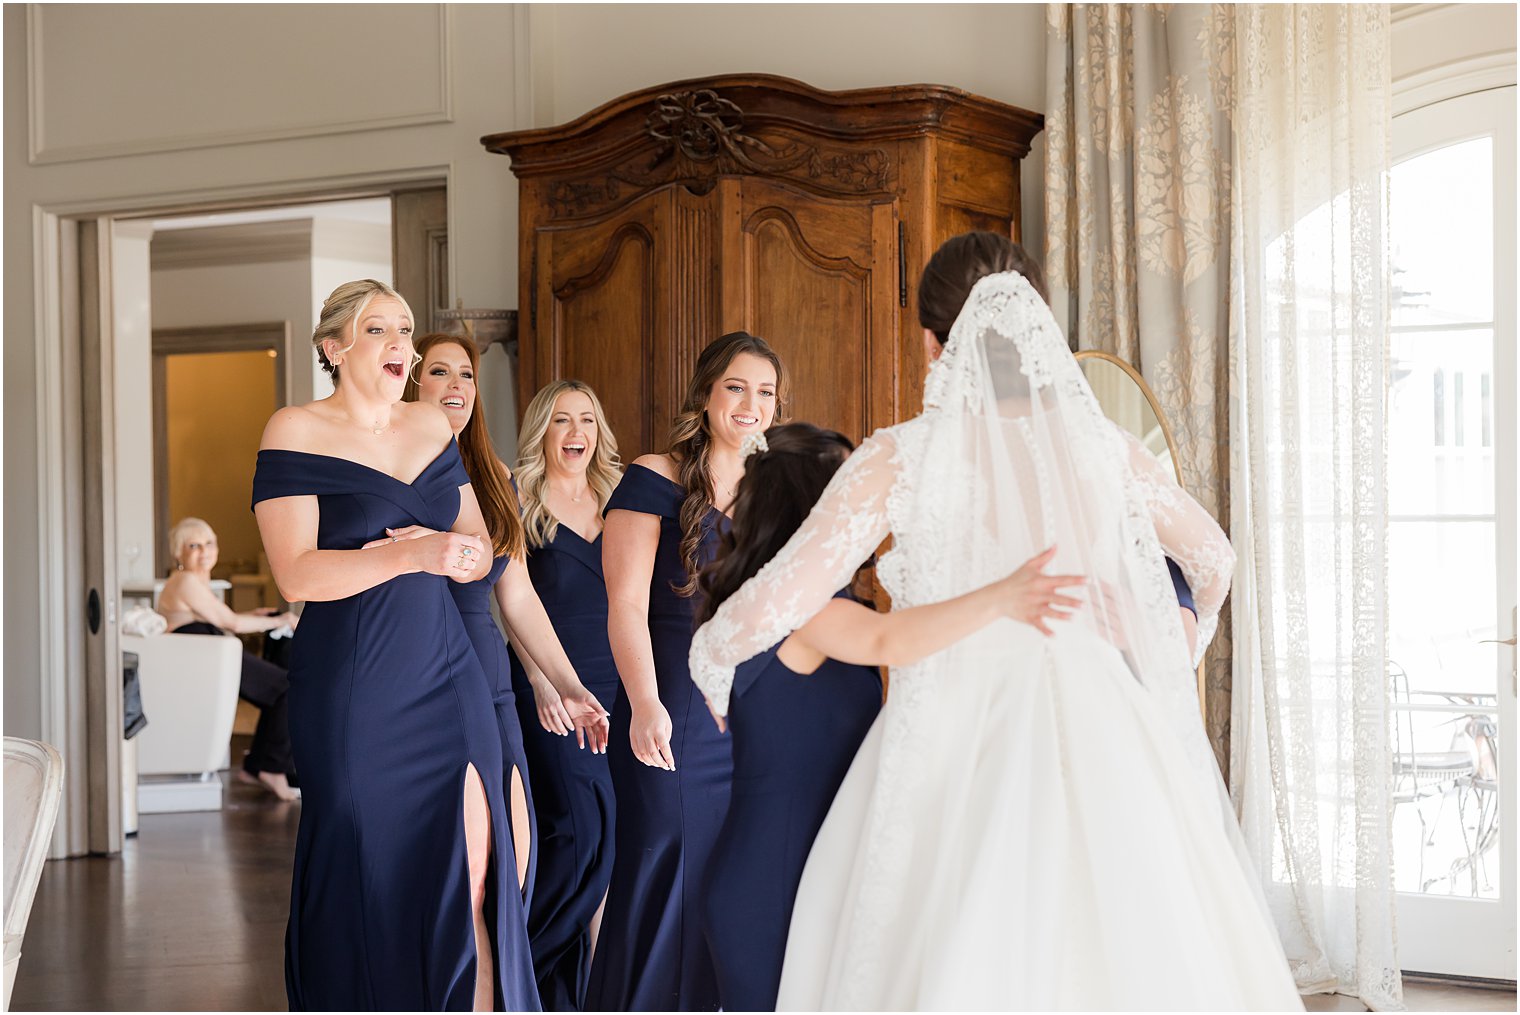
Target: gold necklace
{"x":377,"y":428}
{"x":573,"y":498}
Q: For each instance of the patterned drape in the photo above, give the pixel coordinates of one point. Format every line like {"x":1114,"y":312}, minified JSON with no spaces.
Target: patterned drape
{"x":1137,"y":202}
{"x":1216,"y":198}
{"x":1310,"y":757}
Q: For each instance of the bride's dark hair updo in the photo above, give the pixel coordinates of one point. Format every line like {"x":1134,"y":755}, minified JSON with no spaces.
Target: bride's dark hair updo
{"x":959,"y":264}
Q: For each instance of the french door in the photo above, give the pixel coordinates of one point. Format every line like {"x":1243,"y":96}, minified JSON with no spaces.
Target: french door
{"x":1452,"y":533}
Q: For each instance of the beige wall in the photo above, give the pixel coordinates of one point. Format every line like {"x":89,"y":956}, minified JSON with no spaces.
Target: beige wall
{"x":217,"y":405}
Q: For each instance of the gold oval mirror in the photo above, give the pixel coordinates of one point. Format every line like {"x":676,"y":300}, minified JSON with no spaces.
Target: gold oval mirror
{"x":1128,"y":400}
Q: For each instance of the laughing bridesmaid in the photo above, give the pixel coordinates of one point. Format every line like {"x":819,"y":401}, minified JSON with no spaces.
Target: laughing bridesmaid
{"x":567,"y":469}
{"x":396,"y":903}
{"x":448,"y":368}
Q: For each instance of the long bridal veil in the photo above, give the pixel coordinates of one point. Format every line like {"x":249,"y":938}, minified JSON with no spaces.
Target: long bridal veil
{"x":1034,"y":821}
{"x":1018,"y":457}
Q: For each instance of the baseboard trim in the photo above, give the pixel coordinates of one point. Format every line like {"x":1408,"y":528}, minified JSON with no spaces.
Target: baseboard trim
{"x":175,"y":795}
{"x":1447,"y":980}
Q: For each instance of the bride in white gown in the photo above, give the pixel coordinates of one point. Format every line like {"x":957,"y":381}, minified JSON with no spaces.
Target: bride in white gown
{"x":1034,"y":822}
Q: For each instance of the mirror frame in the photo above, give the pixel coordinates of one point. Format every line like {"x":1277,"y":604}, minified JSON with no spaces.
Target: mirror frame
{"x":1171,"y":446}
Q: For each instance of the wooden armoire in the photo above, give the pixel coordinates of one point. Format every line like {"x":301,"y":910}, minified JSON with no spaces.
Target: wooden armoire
{"x":665,"y":218}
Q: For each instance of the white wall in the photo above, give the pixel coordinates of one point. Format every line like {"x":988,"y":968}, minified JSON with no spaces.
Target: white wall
{"x":134,"y":402}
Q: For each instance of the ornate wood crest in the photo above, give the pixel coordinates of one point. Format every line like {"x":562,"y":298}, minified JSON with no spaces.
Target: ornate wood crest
{"x":698,"y":137}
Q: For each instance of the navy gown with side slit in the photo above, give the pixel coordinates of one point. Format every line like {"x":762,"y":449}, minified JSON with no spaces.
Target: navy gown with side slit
{"x":474,"y":602}
{"x":388,"y":708}
{"x":794,"y":737}
{"x":651,"y":954}
{"x":572,"y":787}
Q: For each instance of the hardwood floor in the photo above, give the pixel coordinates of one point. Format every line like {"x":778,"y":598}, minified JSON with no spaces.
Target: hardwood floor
{"x":191,"y":917}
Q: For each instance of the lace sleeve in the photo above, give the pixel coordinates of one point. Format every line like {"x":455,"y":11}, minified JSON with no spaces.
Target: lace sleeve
{"x":844,"y":528}
{"x":1189,"y":536}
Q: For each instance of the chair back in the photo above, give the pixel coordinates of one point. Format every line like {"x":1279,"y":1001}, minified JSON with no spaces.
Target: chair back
{"x":33,"y":789}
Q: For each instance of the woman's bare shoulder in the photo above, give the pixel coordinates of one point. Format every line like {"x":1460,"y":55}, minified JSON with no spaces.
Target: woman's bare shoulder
{"x":664,"y":465}
{"x":291,"y":429}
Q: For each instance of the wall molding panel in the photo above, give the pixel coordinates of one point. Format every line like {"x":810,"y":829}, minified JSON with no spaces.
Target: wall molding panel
{"x":74,"y":116}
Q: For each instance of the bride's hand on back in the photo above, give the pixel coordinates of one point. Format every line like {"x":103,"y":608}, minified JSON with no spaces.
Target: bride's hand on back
{"x":1033,"y":597}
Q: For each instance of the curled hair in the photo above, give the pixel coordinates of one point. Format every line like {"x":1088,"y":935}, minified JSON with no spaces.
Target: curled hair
{"x":488,"y":478}
{"x":779,"y":488}
{"x":180,"y":534}
{"x":602,"y":472}
{"x":957,"y":266}
{"x":341,"y":312}
{"x":690,"y":441}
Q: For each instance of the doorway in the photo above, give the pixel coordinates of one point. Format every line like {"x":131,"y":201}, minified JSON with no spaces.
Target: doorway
{"x":1452,"y":534}
{"x":98,"y":381}
{"x":213,"y":390}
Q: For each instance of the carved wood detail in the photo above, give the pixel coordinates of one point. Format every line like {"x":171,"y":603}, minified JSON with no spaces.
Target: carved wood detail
{"x":761,"y":203}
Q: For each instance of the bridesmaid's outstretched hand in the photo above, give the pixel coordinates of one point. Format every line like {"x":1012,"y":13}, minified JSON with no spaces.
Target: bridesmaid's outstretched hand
{"x":589,"y":718}
{"x":551,"y":709}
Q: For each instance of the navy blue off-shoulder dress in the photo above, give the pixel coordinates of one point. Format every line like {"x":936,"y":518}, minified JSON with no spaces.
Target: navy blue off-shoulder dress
{"x":388,"y":707}
{"x":651,"y":954}
{"x":474,"y":602}
{"x":572,"y":787}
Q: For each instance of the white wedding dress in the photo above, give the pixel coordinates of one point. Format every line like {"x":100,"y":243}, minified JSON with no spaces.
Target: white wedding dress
{"x":1033,"y":822}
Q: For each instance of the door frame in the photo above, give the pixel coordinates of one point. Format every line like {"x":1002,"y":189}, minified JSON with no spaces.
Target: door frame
{"x":273,"y":336}
{"x":1428,"y":943}
{"x":73,"y":339}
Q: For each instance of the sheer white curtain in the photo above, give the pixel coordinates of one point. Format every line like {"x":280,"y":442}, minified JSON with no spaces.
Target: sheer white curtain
{"x":1309,"y":350}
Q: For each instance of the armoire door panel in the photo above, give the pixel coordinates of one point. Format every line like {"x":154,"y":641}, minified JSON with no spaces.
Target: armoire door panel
{"x":603,"y":295}
{"x":814,"y":285}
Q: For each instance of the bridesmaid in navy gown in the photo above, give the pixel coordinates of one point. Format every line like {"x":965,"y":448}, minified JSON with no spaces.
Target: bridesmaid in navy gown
{"x":798,"y":712}
{"x":567,"y":469}
{"x":449,"y":366}
{"x":670,"y":768}
{"x":396,"y":900}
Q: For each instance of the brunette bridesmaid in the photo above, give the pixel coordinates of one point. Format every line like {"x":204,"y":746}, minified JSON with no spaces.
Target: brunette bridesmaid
{"x":671,"y":768}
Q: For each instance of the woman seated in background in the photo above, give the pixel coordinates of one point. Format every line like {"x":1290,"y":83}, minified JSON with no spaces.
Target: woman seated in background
{"x":190,"y":606}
